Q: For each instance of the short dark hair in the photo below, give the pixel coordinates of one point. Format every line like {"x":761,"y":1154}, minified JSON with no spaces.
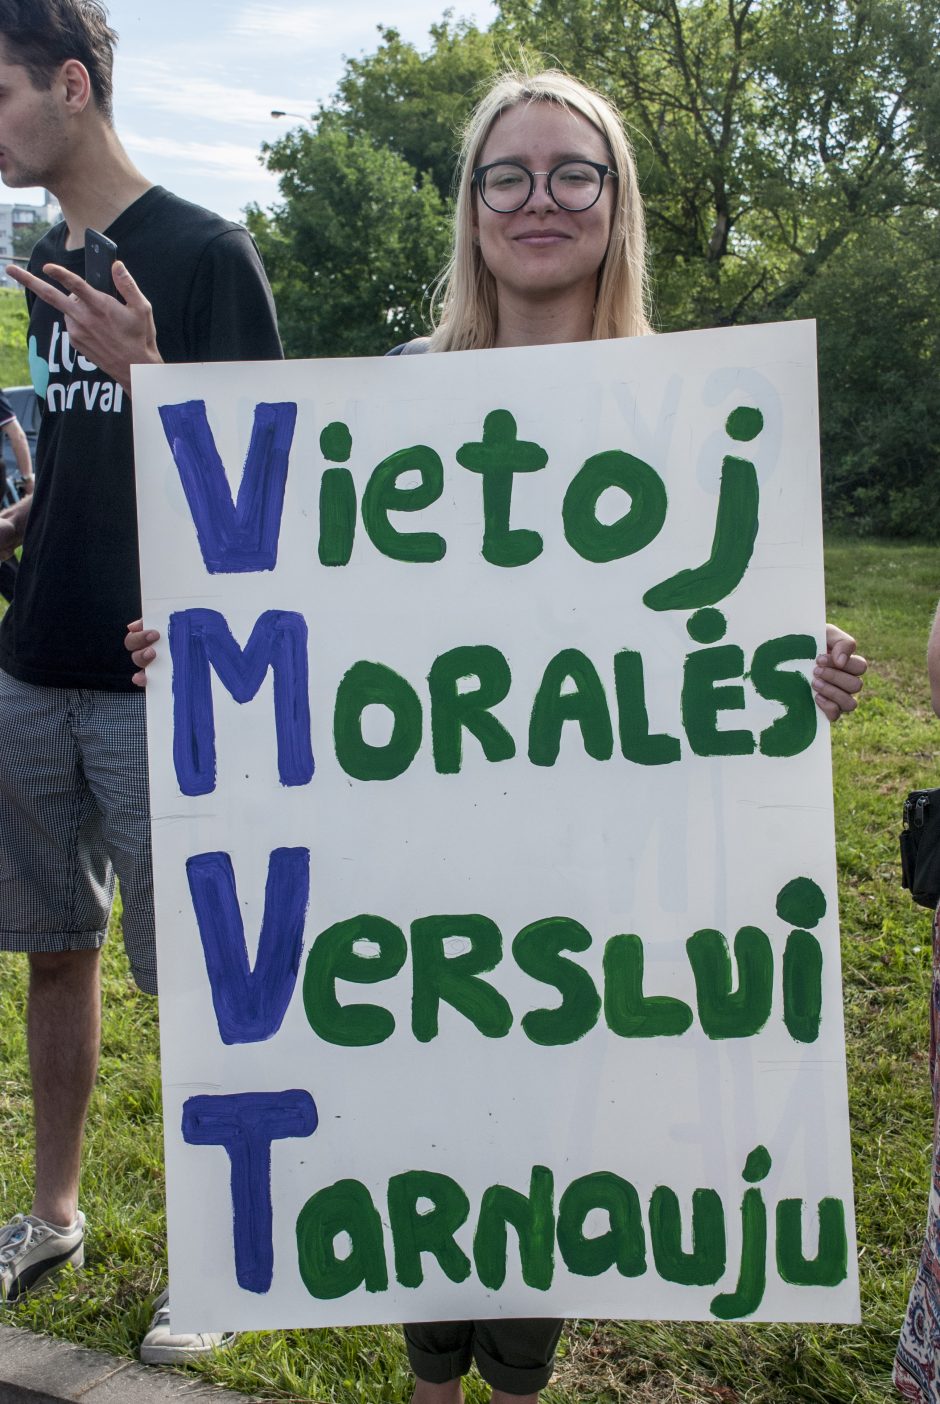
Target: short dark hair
{"x":41,"y":35}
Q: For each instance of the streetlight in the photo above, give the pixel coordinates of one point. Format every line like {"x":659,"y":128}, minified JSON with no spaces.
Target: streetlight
{"x":277,"y":112}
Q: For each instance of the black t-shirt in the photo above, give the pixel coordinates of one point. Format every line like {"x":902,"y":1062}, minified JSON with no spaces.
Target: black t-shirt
{"x":6,"y":410}
{"x":79,"y":582}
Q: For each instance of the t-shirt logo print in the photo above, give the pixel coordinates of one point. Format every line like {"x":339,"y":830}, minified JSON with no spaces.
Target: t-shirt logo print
{"x":66,"y":380}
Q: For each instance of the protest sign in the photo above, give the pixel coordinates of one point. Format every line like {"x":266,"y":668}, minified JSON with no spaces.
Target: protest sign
{"x":493,"y":844}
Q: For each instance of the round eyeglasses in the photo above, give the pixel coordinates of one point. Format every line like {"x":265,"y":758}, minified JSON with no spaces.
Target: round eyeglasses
{"x":505,"y":186}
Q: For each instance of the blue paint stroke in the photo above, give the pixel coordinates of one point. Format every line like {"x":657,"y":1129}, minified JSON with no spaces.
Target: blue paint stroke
{"x":250,"y":1004}
{"x":241,"y":535}
{"x":246,"y":1123}
{"x":200,"y":638}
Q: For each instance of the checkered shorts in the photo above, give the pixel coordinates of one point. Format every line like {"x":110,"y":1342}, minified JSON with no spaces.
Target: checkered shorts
{"x":74,"y":814}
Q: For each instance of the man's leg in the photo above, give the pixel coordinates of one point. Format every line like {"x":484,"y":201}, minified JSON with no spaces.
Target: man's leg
{"x":63,"y":1032}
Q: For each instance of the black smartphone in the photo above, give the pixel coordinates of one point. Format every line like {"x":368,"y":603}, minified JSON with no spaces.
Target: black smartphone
{"x":100,"y":253}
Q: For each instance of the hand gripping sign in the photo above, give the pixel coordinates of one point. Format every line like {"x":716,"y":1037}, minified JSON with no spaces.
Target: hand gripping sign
{"x":493,"y":843}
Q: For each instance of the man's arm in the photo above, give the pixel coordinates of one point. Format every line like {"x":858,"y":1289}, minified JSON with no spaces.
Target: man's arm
{"x":114,"y":335}
{"x":13,"y":527}
{"x":933,"y":662}
{"x":20,"y":445}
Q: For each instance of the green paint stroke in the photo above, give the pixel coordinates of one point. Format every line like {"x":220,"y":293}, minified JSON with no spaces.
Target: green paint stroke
{"x":497,"y":458}
{"x":337,"y":517}
{"x":537,"y":950}
{"x":752,"y":1277}
{"x":831,"y":1263}
{"x":707,"y":626}
{"x":732,"y":546}
{"x":597,"y":541}
{"x":586,"y":705}
{"x":802,"y":986}
{"x":333,"y":957}
{"x":383,"y":495}
{"x":703,"y":700}
{"x":344,"y":1207}
{"x":630,"y":1013}
{"x":622,"y":1245}
{"x":725,"y":1012}
{"x":637,"y":743}
{"x":367,"y":684}
{"x":336,"y":442}
{"x":453,"y":711}
{"x":706,"y":1262}
{"x":430,"y":1230}
{"x":439,"y":978}
{"x":533,"y":1218}
{"x":796,"y":729}
{"x":744,"y":424}
{"x":801,"y":902}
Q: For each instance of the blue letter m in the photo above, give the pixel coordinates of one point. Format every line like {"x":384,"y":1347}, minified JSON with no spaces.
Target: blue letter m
{"x":200,"y":639}
{"x":240,"y":535}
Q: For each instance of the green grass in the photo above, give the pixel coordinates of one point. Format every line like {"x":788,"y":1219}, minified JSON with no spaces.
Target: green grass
{"x":883,"y":592}
{"x":14,"y":366}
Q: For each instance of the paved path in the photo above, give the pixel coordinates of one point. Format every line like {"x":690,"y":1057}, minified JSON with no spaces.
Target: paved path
{"x":39,"y":1370}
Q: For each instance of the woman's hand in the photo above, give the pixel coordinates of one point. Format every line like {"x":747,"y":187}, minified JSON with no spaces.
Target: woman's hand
{"x":139,"y":643}
{"x":837,"y":677}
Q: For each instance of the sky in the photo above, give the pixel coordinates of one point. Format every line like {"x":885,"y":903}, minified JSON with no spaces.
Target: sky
{"x":195,"y":81}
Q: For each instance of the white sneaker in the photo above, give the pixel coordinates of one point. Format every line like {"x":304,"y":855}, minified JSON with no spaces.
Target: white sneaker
{"x":160,"y":1347}
{"x":32,"y":1250}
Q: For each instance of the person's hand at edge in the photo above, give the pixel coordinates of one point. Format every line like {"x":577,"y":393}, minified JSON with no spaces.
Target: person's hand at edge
{"x":837,"y":676}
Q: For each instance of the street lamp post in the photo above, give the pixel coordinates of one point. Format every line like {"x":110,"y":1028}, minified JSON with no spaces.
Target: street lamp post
{"x":278,"y":112}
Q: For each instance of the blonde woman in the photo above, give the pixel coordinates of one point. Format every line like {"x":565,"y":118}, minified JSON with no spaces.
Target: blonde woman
{"x":549,"y":247}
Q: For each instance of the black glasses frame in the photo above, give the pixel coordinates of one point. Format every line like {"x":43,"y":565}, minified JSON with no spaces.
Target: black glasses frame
{"x":479,"y":180}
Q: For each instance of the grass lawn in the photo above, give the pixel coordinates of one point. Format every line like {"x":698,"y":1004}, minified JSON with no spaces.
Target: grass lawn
{"x":883,"y":592}
{"x":14,"y":367}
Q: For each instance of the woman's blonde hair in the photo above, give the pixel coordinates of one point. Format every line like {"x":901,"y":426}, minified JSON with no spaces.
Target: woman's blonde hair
{"x":464,"y":303}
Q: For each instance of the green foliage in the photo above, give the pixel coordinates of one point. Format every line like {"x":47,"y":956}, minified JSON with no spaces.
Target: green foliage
{"x":416,"y":104}
{"x":14,"y":365}
{"x":27,"y":235}
{"x":350,"y":250}
{"x":885,"y":593}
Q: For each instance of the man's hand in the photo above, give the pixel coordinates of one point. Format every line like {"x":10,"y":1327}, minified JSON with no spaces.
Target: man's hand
{"x":139,"y":643}
{"x":837,"y":677}
{"x":12,"y":527}
{"x":114,"y":335}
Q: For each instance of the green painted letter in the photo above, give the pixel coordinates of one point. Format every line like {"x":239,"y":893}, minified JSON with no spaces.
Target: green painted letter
{"x":345,"y":1207}
{"x":455,"y":979}
{"x":451,"y":710}
{"x":333,"y":956}
{"x":723,"y":1012}
{"x":629,"y":1012}
{"x":537,"y":950}
{"x":431,"y":1230}
{"x":587,"y":705}
{"x":596,"y":541}
{"x":368,"y":684}
{"x":383,"y":495}
{"x":623,"y":1245}
{"x":533,"y":1218}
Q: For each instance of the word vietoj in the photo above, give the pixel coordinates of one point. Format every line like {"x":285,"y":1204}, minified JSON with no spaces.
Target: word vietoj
{"x":341,"y":1243}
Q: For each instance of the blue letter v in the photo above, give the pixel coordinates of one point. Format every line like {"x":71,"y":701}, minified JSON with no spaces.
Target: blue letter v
{"x":250,"y":1004}
{"x":240,"y":535}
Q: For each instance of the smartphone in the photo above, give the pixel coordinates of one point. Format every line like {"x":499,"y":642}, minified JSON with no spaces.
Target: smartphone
{"x":100,"y":253}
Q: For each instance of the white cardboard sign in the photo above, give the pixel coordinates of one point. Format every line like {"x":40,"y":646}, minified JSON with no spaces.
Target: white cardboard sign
{"x":493,"y":843}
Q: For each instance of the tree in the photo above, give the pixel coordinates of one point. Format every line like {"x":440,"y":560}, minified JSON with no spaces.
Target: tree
{"x":352,"y":247}
{"x":416,"y":104}
{"x":26,"y":235}
{"x":768,"y":131}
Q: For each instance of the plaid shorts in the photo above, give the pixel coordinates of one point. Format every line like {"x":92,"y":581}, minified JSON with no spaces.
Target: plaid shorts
{"x":74,"y":814}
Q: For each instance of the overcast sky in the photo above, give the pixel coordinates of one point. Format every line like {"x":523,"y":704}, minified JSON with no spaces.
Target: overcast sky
{"x":195,"y":81}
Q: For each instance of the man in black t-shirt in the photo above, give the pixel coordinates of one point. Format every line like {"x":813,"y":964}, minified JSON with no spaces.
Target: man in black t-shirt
{"x":73,"y":781}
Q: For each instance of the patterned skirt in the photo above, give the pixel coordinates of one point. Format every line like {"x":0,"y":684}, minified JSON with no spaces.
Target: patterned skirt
{"x":917,"y":1363}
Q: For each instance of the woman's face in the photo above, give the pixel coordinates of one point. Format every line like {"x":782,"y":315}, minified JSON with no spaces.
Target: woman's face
{"x":542,"y":250}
